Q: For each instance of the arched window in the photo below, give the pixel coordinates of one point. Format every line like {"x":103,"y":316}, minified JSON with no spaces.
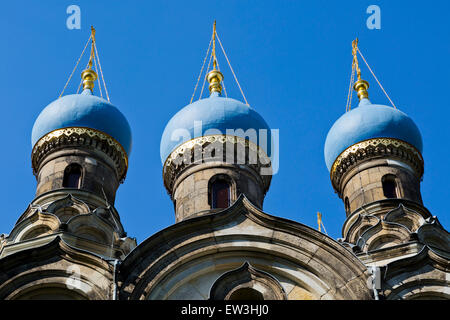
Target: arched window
{"x":50,"y":293}
{"x":72,"y":176}
{"x":246,"y":294}
{"x":220,"y":194}
{"x":389,"y":186}
{"x":347,"y":205}
{"x":247,"y":283}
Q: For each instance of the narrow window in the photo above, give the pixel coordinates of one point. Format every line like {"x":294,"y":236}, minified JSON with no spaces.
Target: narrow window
{"x":347,"y":205}
{"x":389,"y":186}
{"x":220,"y":194}
{"x":72,"y":176}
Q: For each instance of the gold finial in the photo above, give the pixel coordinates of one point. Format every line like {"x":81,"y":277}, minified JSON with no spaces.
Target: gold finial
{"x":215,"y":77}
{"x":89,"y":76}
{"x":360,"y":86}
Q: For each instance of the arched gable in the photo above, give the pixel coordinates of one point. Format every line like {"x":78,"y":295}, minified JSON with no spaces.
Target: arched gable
{"x":190,"y":256}
{"x":55,"y":270}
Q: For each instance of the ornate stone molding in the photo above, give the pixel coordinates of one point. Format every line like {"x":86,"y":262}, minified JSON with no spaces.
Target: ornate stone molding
{"x":247,"y":277}
{"x":368,"y":231}
{"x":211,"y":148}
{"x":22,"y":273}
{"x":80,"y":136}
{"x":423,"y":275}
{"x":96,"y":231}
{"x":398,"y":211}
{"x":371,"y":148}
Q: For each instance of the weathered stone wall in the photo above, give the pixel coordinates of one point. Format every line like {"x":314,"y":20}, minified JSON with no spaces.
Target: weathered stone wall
{"x":98,"y":173}
{"x":191,"y":190}
{"x":363,"y":184}
{"x":55,"y":271}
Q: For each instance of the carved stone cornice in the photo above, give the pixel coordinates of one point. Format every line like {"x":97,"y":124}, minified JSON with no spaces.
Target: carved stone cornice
{"x":200,"y":150}
{"x":421,"y":275}
{"x":80,"y":136}
{"x":385,"y":235}
{"x":375,"y":148}
{"x":246,"y":276}
{"x":96,"y":230}
{"x":53,"y":264}
{"x":407,"y":213}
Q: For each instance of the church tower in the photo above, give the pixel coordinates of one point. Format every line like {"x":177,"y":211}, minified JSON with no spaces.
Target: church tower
{"x":218,"y":158}
{"x":81,"y":145}
{"x":374,"y":155}
{"x":217,"y":170}
{"x":213,"y":150}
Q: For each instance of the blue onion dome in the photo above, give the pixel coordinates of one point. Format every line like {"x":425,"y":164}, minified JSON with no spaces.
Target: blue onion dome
{"x":212,"y":115}
{"x":369,"y":121}
{"x":87,"y":111}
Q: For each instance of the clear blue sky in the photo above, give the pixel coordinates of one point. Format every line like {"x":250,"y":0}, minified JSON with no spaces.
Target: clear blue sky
{"x":292,"y":58}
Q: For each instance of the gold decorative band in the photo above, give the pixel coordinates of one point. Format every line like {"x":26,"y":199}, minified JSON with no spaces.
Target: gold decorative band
{"x":360,"y":151}
{"x":171,"y":165}
{"x":213,"y":138}
{"x":51,"y":137}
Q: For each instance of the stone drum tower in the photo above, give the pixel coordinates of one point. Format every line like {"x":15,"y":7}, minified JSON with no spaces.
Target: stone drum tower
{"x":374,"y":155}
{"x":71,"y":230}
{"x":214,"y":150}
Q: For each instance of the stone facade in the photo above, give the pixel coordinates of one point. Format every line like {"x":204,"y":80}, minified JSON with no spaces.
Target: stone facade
{"x":387,"y":225}
{"x":55,"y":270}
{"x":194,"y":165}
{"x":363,"y":184}
{"x":98,"y":174}
{"x":288,"y":260}
{"x":192,"y":190}
{"x":70,"y":243}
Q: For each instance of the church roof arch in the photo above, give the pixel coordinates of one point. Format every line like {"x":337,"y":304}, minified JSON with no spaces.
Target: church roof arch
{"x":244,"y":231}
{"x":55,"y":266}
